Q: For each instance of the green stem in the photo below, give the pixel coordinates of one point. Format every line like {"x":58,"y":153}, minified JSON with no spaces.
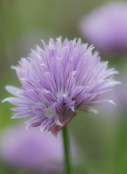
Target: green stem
{"x":66,"y":150}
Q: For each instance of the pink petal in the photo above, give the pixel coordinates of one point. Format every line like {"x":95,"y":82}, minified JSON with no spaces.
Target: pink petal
{"x":64,"y":119}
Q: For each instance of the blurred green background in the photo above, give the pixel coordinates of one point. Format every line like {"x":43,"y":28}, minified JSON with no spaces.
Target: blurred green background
{"x":102,"y":137}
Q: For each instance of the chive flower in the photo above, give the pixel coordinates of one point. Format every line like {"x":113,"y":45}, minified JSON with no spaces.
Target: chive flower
{"x":106,"y":27}
{"x":57,"y":80}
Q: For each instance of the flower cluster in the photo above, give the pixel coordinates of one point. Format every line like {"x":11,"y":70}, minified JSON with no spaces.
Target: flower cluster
{"x":57,"y":80}
{"x":106,"y":27}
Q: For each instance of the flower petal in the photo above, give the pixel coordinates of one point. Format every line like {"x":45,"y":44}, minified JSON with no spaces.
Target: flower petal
{"x":64,"y":118}
{"x":88,"y":109}
{"x":14,"y":90}
{"x":18,"y":101}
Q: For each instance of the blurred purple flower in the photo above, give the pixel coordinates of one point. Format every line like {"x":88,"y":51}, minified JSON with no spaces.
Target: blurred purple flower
{"x":32,"y":150}
{"x":119,"y":95}
{"x":106,"y":27}
{"x":58,"y":80}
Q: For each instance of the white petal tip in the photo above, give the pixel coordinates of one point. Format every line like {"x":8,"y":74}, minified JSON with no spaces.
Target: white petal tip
{"x":119,"y":83}
{"x":89,"y":110}
{"x":41,"y":129}
{"x":96,"y":112}
{"x":13,"y":117}
{"x":58,"y":123}
{"x":7,"y":86}
{"x":72,"y":108}
{"x":6,"y":99}
{"x":14,"y":67}
{"x":41,"y":40}
{"x":23,"y":79}
{"x":49,"y":133}
{"x":27,"y":126}
{"x":110,"y":101}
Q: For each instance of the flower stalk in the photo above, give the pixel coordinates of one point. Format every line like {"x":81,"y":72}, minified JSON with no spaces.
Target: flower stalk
{"x":66,"y":150}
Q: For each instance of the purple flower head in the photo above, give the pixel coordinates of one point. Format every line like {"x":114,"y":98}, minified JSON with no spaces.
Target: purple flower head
{"x":106,"y":27}
{"x":32,"y":150}
{"x":58,"y":80}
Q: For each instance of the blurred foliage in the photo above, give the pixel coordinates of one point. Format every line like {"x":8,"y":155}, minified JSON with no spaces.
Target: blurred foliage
{"x":103,"y":142}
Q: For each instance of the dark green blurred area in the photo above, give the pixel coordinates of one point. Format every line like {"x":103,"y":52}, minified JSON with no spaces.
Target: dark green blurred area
{"x":22,"y":24}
